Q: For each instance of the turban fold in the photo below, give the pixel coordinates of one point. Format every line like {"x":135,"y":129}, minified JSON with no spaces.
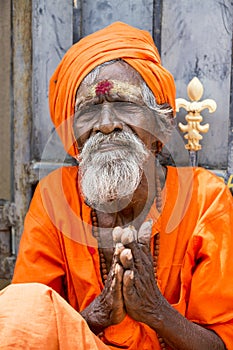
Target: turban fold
{"x":119,"y":40}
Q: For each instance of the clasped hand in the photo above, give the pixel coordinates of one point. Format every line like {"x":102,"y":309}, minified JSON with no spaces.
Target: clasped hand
{"x":130,"y":287}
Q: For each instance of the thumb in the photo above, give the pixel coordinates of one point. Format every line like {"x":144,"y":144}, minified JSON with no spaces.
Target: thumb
{"x":144,"y":233}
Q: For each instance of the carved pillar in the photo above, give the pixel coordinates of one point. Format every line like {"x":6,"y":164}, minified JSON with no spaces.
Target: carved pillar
{"x":22,"y":106}
{"x":7,"y":257}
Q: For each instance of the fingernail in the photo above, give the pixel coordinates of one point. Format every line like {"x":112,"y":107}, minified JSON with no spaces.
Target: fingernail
{"x":144,"y":232}
{"x":128,"y":254}
{"x":116,"y":234}
{"x":119,"y":248}
{"x":129,"y":235}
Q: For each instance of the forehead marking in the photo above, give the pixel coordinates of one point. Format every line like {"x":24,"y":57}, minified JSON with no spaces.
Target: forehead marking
{"x":115,"y":87}
{"x":103,"y":87}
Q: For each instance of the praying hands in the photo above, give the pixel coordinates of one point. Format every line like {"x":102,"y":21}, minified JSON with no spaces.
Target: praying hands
{"x":139,"y":288}
{"x":130,"y":287}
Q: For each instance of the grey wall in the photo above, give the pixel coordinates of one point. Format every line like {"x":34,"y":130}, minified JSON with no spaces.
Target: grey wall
{"x":5,"y":98}
{"x":197,"y":41}
{"x":52,"y":34}
{"x":194,"y":37}
{"x":97,"y":14}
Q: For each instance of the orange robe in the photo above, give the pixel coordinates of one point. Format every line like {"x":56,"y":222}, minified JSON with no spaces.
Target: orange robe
{"x":33,"y":316}
{"x":195,"y":269}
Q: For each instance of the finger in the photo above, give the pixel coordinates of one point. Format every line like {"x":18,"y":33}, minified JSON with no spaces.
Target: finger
{"x":116,"y":259}
{"x":116,"y":234}
{"x":133,"y":282}
{"x":119,"y":248}
{"x":114,"y":293}
{"x":126,"y":258}
{"x":144,"y":233}
{"x":116,"y":282}
{"x":118,"y":304}
{"x":129,"y":235}
{"x":118,"y":278}
{"x":141,"y":257}
{"x":128,"y":282}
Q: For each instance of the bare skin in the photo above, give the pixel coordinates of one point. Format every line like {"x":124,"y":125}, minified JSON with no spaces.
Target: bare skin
{"x":131,"y":287}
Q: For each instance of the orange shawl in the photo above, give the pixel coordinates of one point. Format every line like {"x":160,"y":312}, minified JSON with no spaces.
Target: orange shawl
{"x":118,"y":40}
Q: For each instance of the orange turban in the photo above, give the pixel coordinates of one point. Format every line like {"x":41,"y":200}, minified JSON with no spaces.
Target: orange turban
{"x":119,"y":40}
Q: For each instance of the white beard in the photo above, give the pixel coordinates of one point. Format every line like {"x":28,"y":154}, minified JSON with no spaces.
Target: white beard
{"x":111,"y":175}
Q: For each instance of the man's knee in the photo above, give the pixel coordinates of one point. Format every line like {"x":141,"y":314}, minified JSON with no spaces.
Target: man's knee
{"x":27,"y":316}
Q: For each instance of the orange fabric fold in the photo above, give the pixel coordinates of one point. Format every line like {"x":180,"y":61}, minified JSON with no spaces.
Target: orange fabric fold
{"x":33,"y":316}
{"x":118,"y":40}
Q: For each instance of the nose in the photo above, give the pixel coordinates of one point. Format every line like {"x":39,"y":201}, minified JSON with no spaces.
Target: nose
{"x":108,"y":120}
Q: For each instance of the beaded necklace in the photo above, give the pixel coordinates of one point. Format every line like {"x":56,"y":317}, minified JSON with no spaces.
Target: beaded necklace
{"x":103,"y":265}
{"x":95,"y":232}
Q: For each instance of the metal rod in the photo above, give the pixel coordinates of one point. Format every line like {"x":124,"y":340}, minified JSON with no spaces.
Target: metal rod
{"x":193,"y":158}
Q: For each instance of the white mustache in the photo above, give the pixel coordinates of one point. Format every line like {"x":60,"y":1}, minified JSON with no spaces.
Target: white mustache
{"x":124,"y":138}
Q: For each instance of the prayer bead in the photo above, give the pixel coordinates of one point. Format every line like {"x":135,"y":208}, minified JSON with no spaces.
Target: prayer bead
{"x":105,"y":277}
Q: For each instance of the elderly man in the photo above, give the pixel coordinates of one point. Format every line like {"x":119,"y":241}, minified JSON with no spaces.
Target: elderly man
{"x":142,"y":253}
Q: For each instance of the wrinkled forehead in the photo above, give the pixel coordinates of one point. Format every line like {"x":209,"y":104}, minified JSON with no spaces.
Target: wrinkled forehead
{"x":111,"y":77}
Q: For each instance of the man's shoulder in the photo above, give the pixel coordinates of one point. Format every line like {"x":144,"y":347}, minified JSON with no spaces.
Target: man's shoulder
{"x":57,"y":192}
{"x":63,"y":180}
{"x":197,"y":173}
{"x":199,"y":180}
{"x":65,"y":173}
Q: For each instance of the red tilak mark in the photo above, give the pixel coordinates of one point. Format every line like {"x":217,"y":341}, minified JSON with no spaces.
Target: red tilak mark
{"x":103,"y":87}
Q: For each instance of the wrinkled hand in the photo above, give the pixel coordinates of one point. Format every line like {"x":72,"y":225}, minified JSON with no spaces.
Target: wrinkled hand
{"x":130,"y":287}
{"x":140,"y":292}
{"x":108,"y":308}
